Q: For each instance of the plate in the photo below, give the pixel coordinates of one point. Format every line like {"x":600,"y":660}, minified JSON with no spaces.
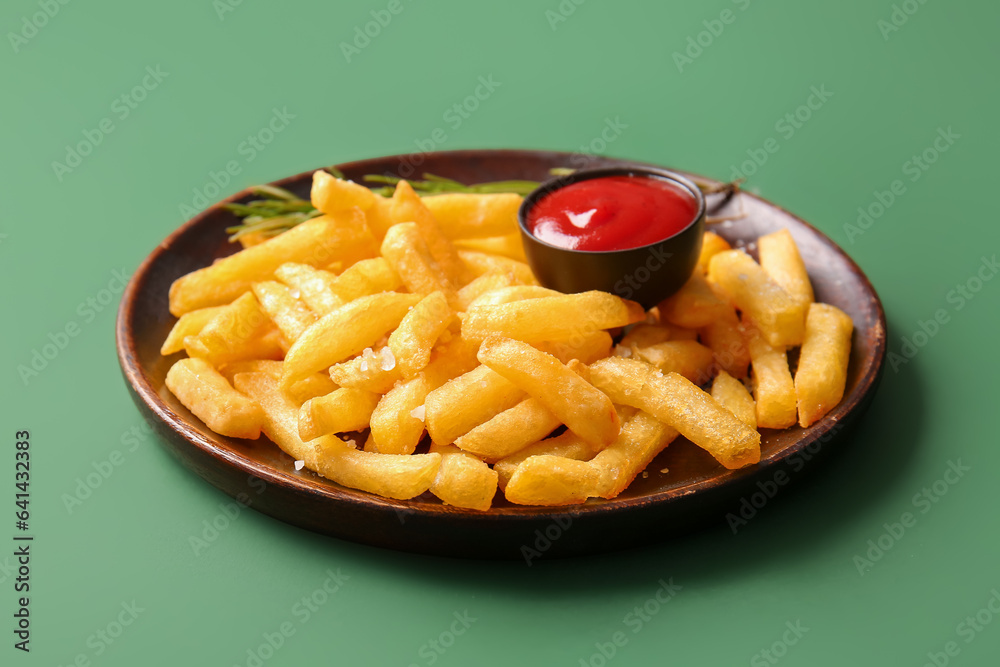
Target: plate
{"x":684,"y":487}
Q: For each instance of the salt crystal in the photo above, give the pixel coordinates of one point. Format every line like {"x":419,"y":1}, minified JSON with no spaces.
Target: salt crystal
{"x":645,"y":474}
{"x":622,"y":351}
{"x":387,"y":360}
{"x":418,"y":412}
{"x":664,"y":470}
{"x":352,"y":444}
{"x":295,"y":293}
{"x":364,"y":365}
{"x":299,"y":465}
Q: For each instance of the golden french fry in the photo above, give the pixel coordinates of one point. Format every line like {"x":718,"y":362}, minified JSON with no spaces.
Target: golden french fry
{"x":345,"y":332}
{"x":365,"y":277}
{"x":386,"y":475}
{"x":398,"y":421}
{"x":567,"y":444}
{"x":189,"y":324}
{"x":236,"y":332}
{"x":511,"y":294}
{"x":773,"y":388}
{"x":399,"y":477}
{"x":484,"y":284}
{"x":268,"y":366}
{"x":694,"y":305}
{"x":313,"y":285}
{"x":374,"y":371}
{"x":711,"y":245}
{"x":551,"y":480}
{"x":340,"y":411}
{"x":678,"y":403}
{"x":463,"y":480}
{"x":731,"y":393}
{"x":644,"y":335}
{"x":300,"y":392}
{"x":407,"y":206}
{"x":475,"y":216}
{"x":822,"y":373}
{"x":315,"y":385}
{"x":414,"y":338}
{"x":586,"y":348}
{"x":380,"y":217}
{"x":684,"y":357}
{"x":780,"y":317}
{"x":479,"y":263}
{"x":515,"y":428}
{"x":509,"y":245}
{"x":206,"y":393}
{"x":725,"y":338}
{"x":333,"y":195}
{"x":409,"y":256}
{"x":551,"y":318}
{"x":642,"y":438}
{"x":315,"y":242}
{"x":780,"y":257}
{"x":252,"y":239}
{"x":291,"y":315}
{"x":467,"y":401}
{"x":574,"y":401}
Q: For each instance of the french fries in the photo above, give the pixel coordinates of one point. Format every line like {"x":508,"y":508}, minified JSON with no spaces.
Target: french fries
{"x":780,"y":316}
{"x":239,"y":331}
{"x":822,"y":371}
{"x":414,"y":324}
{"x":203,"y":391}
{"x":566,"y":445}
{"x":341,"y":411}
{"x":291,"y":315}
{"x":463,"y":480}
{"x":345,"y":332}
{"x":406,"y":251}
{"x":551,"y":317}
{"x":315,"y":242}
{"x":469,"y":400}
{"x":314,"y":286}
{"x":641,"y":439}
{"x":551,"y":480}
{"x":694,"y":305}
{"x":780,"y":258}
{"x":773,"y":389}
{"x":676,"y":402}
{"x":575,"y":402}
{"x":467,"y":216}
{"x":732,"y":394}
{"x":711,"y":245}
{"x":189,"y":324}
{"x":688,"y":358}
{"x":513,"y":429}
{"x":413,"y":339}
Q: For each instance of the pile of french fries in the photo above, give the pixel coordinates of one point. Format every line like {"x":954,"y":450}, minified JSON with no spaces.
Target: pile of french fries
{"x":349,"y":337}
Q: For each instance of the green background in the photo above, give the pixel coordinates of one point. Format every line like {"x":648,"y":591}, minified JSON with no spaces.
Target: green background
{"x":63,"y":235}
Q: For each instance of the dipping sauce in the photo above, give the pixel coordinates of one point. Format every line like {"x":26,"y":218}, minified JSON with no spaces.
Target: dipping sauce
{"x":612,"y":213}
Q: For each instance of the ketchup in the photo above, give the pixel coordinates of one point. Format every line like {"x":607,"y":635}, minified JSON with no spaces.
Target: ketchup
{"x":612,"y":213}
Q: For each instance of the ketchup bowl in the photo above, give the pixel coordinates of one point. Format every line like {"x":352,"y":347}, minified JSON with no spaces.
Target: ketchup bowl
{"x":631,"y":231}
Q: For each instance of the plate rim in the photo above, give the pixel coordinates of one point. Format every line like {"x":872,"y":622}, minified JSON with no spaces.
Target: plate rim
{"x":140,"y":383}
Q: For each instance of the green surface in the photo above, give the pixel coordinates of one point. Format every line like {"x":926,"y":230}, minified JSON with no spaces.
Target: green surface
{"x":64,"y":235}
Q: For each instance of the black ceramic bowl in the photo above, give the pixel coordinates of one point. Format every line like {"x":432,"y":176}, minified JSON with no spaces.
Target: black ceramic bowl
{"x":647,"y":274}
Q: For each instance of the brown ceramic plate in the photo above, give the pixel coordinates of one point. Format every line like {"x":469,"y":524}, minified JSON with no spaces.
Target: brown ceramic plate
{"x":693,"y":490}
